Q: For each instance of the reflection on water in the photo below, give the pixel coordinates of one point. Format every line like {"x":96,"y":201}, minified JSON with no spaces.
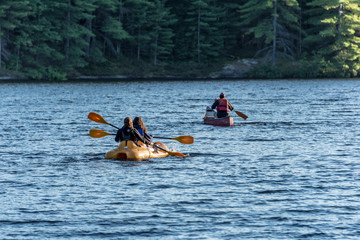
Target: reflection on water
{"x":290,"y":171}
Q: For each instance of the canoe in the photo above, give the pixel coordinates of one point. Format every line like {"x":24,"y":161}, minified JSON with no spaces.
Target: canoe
{"x":128,"y":150}
{"x":225,"y":122}
{"x":211,"y":119}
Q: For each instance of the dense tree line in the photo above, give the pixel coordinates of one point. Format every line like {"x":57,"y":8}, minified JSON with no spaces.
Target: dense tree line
{"x":293,"y":38}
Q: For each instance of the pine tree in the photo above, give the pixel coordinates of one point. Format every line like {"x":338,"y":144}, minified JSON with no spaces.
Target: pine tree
{"x":201,"y":31}
{"x":137,"y":24}
{"x":334,"y":34}
{"x":162,"y":33}
{"x":274,"y":24}
{"x":233,"y":33}
{"x":109,"y":29}
{"x":11,"y":15}
{"x":76,"y":12}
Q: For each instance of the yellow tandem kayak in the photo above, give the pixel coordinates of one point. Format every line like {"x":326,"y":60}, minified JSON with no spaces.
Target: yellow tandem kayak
{"x":128,"y":150}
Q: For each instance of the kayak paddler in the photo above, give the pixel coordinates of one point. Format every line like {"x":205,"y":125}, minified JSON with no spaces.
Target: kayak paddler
{"x":140,"y":126}
{"x":222,"y":106}
{"x":128,"y":132}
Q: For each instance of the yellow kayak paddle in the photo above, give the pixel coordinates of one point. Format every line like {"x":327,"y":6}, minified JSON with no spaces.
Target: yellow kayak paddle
{"x":97,"y":133}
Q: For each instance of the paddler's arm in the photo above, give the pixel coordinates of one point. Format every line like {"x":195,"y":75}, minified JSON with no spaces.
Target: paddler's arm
{"x":230,"y":106}
{"x":118,"y":135}
{"x":148,"y":137}
{"x":215,"y":104}
{"x":139,"y":137}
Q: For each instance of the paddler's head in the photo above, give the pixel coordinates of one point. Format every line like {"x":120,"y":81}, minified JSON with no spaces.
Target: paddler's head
{"x":138,"y":121}
{"x":128,"y":122}
{"x":222,"y":95}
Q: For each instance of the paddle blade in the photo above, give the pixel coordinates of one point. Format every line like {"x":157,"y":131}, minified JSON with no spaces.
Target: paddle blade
{"x":97,"y":118}
{"x":96,"y":133}
{"x":185,"y":139}
{"x":240,"y":114}
{"x":176,"y":154}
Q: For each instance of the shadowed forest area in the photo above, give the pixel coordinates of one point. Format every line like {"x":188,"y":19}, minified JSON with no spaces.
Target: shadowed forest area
{"x":59,"y":39}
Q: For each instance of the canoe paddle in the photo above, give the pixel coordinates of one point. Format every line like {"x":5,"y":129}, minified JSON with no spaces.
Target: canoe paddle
{"x":240,"y":114}
{"x":98,"y":134}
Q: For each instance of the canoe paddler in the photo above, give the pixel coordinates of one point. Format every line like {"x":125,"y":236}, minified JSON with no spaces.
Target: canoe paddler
{"x":128,"y":132}
{"x":222,"y":106}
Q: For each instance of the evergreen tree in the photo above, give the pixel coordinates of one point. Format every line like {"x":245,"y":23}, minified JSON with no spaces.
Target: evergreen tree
{"x":162,"y":33}
{"x":201,"y":31}
{"x":108,"y":29}
{"x":137,"y":24}
{"x":41,"y":57}
{"x":274,"y":24}
{"x":75,"y":33}
{"x":11,"y":15}
{"x":233,"y":34}
{"x":334,"y":34}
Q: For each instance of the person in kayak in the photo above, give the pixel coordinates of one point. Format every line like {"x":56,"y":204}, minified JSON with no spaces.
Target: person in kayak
{"x":222,"y":106}
{"x":128,"y":132}
{"x":140,"y":126}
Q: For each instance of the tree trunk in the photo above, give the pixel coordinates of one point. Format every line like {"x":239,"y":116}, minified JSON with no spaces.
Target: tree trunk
{"x":67,"y":44}
{"x":0,"y":50}
{"x":121,"y":14}
{"x":274,"y":41}
{"x":138,"y":47}
{"x":300,"y":35}
{"x":18,"y":58}
{"x":198,"y":35}
{"x":88,"y":37}
{"x":156,"y":49}
{"x":339,"y":21}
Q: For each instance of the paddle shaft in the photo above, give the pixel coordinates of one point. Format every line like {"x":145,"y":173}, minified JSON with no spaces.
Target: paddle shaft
{"x":113,"y":126}
{"x":175,"y":154}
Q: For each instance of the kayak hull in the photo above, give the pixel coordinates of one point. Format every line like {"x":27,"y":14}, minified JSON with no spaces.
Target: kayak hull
{"x":225,"y":122}
{"x":128,"y":150}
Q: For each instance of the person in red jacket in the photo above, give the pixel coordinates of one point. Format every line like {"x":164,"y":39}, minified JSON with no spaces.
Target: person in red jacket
{"x":222,"y":106}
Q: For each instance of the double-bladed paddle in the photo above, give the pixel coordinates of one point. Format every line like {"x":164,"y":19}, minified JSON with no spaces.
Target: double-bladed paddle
{"x":99,"y":119}
{"x":182,"y":139}
{"x":97,"y":133}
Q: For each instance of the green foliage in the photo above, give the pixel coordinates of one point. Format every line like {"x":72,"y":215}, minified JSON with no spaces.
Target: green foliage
{"x":55,"y":39}
{"x":46,"y":73}
{"x":312,"y":68}
{"x":337,"y":41}
{"x":275,"y":23}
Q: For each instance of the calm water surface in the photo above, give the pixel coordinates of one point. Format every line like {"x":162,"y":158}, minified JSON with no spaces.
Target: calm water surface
{"x":290,"y":171}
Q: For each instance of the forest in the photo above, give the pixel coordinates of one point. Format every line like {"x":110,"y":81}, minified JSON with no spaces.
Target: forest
{"x":58,"y":39}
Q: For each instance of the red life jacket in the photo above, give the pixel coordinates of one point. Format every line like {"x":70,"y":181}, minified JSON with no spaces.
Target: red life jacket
{"x":223,"y":105}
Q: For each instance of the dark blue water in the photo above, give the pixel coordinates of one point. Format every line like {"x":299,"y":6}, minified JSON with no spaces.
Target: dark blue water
{"x":290,"y":171}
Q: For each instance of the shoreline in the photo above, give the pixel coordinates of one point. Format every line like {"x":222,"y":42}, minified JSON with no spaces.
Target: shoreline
{"x":118,"y":78}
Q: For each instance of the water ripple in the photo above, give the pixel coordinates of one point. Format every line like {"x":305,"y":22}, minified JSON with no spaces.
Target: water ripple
{"x":290,"y":171}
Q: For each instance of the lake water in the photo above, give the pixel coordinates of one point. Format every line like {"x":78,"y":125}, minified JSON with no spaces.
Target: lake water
{"x":290,"y":171}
